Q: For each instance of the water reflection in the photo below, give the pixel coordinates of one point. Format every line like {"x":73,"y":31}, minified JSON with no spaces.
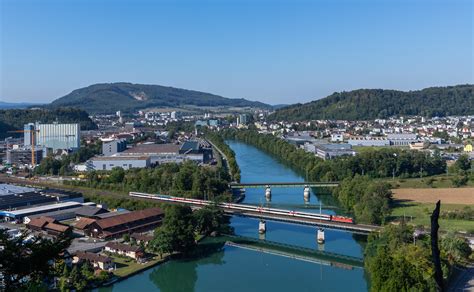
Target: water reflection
{"x":181,"y":274}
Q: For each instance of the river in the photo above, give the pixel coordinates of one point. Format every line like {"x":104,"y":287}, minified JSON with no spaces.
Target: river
{"x":232,"y":268}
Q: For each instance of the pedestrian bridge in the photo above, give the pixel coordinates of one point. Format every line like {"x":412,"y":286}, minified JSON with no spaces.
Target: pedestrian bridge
{"x":284,"y":185}
{"x":289,"y":216}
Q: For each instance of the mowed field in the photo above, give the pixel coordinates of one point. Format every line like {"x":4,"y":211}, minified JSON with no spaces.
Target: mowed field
{"x":464,"y":196}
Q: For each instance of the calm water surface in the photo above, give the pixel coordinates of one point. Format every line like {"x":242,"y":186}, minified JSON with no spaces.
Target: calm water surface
{"x":236,"y":269}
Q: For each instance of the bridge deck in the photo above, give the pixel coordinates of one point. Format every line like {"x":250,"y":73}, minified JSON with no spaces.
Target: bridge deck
{"x":284,"y":184}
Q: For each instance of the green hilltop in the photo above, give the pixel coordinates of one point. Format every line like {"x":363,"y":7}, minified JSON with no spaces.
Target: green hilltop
{"x":366,"y":104}
{"x":128,"y":97}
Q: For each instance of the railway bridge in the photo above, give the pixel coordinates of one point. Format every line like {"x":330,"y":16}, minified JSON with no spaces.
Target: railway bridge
{"x":240,"y":187}
{"x":264,"y":213}
{"x":283,"y":185}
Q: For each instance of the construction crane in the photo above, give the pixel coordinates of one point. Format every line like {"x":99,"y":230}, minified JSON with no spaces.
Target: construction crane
{"x":33,"y":141}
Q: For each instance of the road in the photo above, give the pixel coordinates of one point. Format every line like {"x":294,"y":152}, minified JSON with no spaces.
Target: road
{"x":465,"y":281}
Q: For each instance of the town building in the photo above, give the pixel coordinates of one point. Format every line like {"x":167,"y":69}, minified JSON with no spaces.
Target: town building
{"x":19,"y":215}
{"x":13,"y":201}
{"x":49,"y":225}
{"x":402,"y":139}
{"x":97,"y":261}
{"x":330,"y":151}
{"x":55,"y":135}
{"x":134,"y":252}
{"x":89,"y":212}
{"x":22,"y":156}
{"x":369,"y":141}
{"x":110,"y":147}
{"x":141,"y":238}
{"x":116,"y":226}
{"x":123,"y":161}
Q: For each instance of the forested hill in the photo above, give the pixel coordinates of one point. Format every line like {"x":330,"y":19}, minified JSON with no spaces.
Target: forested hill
{"x":365,"y":104}
{"x":127,"y":97}
{"x":14,"y":119}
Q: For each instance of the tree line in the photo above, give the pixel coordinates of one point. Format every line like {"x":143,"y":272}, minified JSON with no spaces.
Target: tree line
{"x":184,"y":180}
{"x":232,"y":165}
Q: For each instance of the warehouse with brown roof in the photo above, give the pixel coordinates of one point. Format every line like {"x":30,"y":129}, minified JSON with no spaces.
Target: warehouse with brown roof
{"x":49,"y":225}
{"x":136,"y":221}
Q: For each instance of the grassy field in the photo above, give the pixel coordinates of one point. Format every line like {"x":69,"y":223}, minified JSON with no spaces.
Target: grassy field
{"x":419,"y":214}
{"x":436,"y":181}
{"x":128,"y":266}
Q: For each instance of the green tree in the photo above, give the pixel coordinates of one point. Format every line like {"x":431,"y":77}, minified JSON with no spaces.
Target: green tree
{"x":463,"y":164}
{"x":116,"y":175}
{"x":78,"y":281}
{"x":126,"y":237}
{"x":87,"y":271}
{"x":394,"y":263}
{"x":23,"y":259}
{"x":209,"y":219}
{"x":459,"y":180}
{"x":177,"y":231}
{"x":456,"y":247}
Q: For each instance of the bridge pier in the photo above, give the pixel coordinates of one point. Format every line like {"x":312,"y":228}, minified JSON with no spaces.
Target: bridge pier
{"x":320,"y":236}
{"x":268,"y":193}
{"x":306,"y":193}
{"x":262,"y":227}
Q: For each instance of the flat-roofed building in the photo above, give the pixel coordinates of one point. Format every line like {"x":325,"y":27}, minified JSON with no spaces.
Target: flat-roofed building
{"x":35,"y":198}
{"x":402,"y":139}
{"x":330,"y":151}
{"x":19,"y":215}
{"x":158,"y":153}
{"x":110,"y":147}
{"x":22,"y":156}
{"x":369,"y":141}
{"x":125,"y":162}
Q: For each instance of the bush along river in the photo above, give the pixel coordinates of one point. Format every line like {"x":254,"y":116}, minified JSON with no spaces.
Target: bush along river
{"x":292,"y":260}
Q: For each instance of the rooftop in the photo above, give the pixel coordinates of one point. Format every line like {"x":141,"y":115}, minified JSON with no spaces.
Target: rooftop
{"x":122,"y":246}
{"x":153,"y":149}
{"x":93,"y":257}
{"x":129,"y":217}
{"x":118,"y":158}
{"x":8,"y":189}
{"x":24,"y":212}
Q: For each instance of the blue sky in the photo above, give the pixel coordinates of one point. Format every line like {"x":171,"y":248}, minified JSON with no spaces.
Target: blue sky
{"x":272,"y":51}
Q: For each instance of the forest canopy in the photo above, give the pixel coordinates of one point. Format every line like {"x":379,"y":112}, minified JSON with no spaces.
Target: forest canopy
{"x":367,"y":104}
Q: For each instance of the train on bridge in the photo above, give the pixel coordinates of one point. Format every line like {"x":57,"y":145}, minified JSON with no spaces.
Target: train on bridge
{"x":246,"y":208}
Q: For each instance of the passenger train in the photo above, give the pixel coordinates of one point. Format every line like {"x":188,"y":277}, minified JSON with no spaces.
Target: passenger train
{"x":241,"y":207}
